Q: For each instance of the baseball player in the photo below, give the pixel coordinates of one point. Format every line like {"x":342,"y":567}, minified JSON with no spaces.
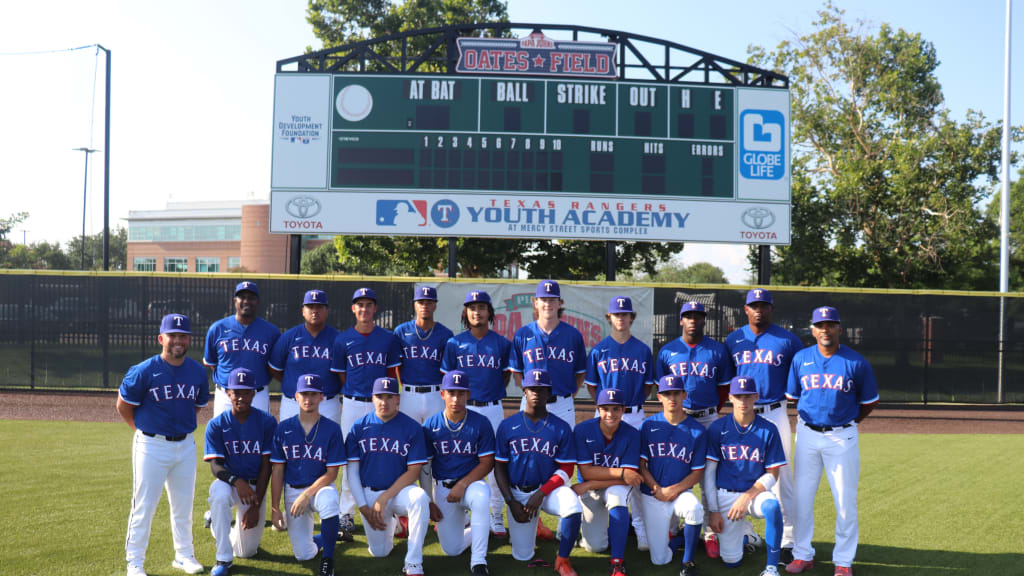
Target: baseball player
{"x":241,"y":341}
{"x":672,"y":449}
{"x":460,"y":445}
{"x":360,"y":355}
{"x":705,"y":368}
{"x":483,"y":355}
{"x":534,"y":457}
{"x":608,"y":456}
{"x":238,"y":444}
{"x":386,"y":450}
{"x":307,"y":452}
{"x":743,"y":461}
{"x":554,"y":346}
{"x":159,"y":399}
{"x":306,"y":349}
{"x":835,"y":390}
{"x":423,"y":342}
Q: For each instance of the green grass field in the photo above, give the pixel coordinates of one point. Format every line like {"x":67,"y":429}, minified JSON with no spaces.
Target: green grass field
{"x":942,"y":504}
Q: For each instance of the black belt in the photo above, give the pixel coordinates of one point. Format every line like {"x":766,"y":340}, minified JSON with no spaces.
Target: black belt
{"x":292,"y":398}
{"x":632,"y":409}
{"x":762,"y":408}
{"x":702,"y":413}
{"x":421,"y":388}
{"x":375,"y":489}
{"x":300,"y":486}
{"x":827,"y":428}
{"x":169,"y":438}
{"x":449,"y":484}
{"x":530,"y":488}
{"x":358,"y":398}
{"x":553,"y":399}
{"x":480,"y":403}
{"x":260,"y":389}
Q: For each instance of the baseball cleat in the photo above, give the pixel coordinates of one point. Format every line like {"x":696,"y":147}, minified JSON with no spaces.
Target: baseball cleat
{"x":689,"y":569}
{"x":843,"y":571}
{"x":711,"y":546}
{"x":402,"y":527}
{"x":207,"y":519}
{"x":641,"y":540}
{"x":413,"y":570}
{"x":498,"y":526}
{"x":798,"y":566}
{"x":618,"y":569}
{"x":136,"y":570}
{"x":564,"y":567}
{"x":543,"y":532}
{"x":221,"y":568}
{"x":346,"y":528}
{"x":785,"y":556}
{"x":479,"y":570}
{"x":326,"y":567}
{"x":188,"y":565}
{"x":751,"y":541}
{"x":770,"y":571}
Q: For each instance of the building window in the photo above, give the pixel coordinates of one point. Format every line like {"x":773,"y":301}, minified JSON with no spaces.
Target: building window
{"x":185,"y":233}
{"x":144,"y":265}
{"x":175,"y":264}
{"x":234,"y":262}
{"x":207,"y":264}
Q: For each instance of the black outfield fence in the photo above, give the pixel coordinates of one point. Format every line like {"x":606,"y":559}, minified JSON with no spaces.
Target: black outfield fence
{"x":83,"y":330}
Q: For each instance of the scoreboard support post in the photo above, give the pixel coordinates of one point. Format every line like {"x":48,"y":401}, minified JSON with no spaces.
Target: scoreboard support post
{"x":609,"y":260}
{"x":764,"y":265}
{"x":453,"y":257}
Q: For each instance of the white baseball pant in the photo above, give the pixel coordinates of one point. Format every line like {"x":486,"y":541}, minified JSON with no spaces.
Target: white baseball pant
{"x":564,"y":408}
{"x":730,"y":541}
{"x":783,"y":489}
{"x":421,"y":405}
{"x":494,"y":414}
{"x":233,"y":542}
{"x":221,"y":403}
{"x":328,"y":408}
{"x":634,"y":416}
{"x":663,"y":517}
{"x":596,"y":505}
{"x":706,"y":421}
{"x":300,"y":528}
{"x":411,"y":501}
{"x":562,"y":502}
{"x":351,"y":410}
{"x":452,"y":531}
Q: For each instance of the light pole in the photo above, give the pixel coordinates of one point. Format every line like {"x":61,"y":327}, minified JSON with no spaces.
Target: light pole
{"x":85,"y":190}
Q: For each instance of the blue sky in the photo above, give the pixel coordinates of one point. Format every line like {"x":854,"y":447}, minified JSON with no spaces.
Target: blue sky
{"x":193,"y":88}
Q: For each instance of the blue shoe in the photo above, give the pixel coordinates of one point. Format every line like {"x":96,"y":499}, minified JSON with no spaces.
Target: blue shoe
{"x":222,"y":568}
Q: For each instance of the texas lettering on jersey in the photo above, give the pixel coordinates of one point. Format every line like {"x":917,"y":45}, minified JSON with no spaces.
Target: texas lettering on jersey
{"x":304,"y":452}
{"x":384,"y":445}
{"x":700,"y":369}
{"x":479,"y":361}
{"x":454,"y":447}
{"x":672,"y":450}
{"x":243,"y":345}
{"x":609,"y":365}
{"x":758,"y":356}
{"x":369,"y":358}
{"x":535,"y":444}
{"x":306,"y":351}
{"x":742,"y":452}
{"x":825,"y":382}
{"x":559,"y":353}
{"x":174,"y":392}
{"x":421,"y":352}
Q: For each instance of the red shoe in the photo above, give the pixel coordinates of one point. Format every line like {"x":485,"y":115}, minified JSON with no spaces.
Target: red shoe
{"x":798,"y":566}
{"x":844,"y":571}
{"x":402,"y":529}
{"x":711,"y":546}
{"x":563,"y":567}
{"x":544,"y":533}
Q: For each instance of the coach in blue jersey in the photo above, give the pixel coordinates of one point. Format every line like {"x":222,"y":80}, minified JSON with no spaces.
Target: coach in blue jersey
{"x":307,"y":453}
{"x":423,"y":342}
{"x":460,"y":445}
{"x":743,"y":461}
{"x":534,"y":459}
{"x":608,"y":456}
{"x":763,"y":351}
{"x":672,"y":450}
{"x":159,"y":399}
{"x":238,"y":444}
{"x":483,"y":355}
{"x":386,"y":450}
{"x":835,"y":390}
{"x":241,"y":341}
{"x":552,"y":345}
{"x":306,"y":349}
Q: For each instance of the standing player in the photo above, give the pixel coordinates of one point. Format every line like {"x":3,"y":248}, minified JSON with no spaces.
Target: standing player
{"x":705,"y":368}
{"x":672,"y":449}
{"x":460,"y":445}
{"x":483,"y":355}
{"x":386,"y":450}
{"x":308,"y":451}
{"x":763,"y":351}
{"x":743,"y":461}
{"x":238,"y":444}
{"x":241,"y":341}
{"x":159,"y":399}
{"x":423,"y":342}
{"x":360,"y":355}
{"x":554,"y":346}
{"x":534,"y":459}
{"x":835,"y":390}
{"x":622,"y":362}
{"x":608,"y":455}
{"x":306,"y":349}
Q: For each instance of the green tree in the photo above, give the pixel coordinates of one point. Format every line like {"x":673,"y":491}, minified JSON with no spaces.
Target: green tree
{"x":887,"y":187}
{"x":696,"y":273}
{"x":94,"y":251}
{"x":1016,"y":279}
{"x":6,"y":225}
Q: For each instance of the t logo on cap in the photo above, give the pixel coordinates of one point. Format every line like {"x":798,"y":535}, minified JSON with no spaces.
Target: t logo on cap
{"x":177,"y":321}
{"x":309,"y":380}
{"x":611,"y":394}
{"x":547,"y":287}
{"x":621,"y":301}
{"x":241,"y":377}
{"x":474,"y":295}
{"x":537,"y":374}
{"x":362,"y":291}
{"x":457,"y":378}
{"x":426,"y":291}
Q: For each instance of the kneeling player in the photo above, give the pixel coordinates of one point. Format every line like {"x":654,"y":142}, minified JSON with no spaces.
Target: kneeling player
{"x":608,"y":454}
{"x":308,"y":450}
{"x":238,"y":444}
{"x":744,"y":457}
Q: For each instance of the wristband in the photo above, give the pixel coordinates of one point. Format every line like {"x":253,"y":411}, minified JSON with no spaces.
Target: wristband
{"x":622,"y":473}
{"x":232,"y":479}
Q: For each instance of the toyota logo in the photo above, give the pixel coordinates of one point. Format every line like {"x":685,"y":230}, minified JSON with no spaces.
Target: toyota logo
{"x":303,"y":207}
{"x":758,"y":218}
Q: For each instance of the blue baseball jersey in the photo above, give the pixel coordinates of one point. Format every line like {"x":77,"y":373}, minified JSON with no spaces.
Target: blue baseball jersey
{"x":307,"y":456}
{"x":297,"y":352}
{"x":364,"y":358}
{"x":385,"y":449}
{"x":421,"y":356}
{"x":764,"y":357}
{"x":454,"y":449}
{"x":743,"y":454}
{"x":484,"y":361}
{"x":165,"y":396}
{"x":830,"y":391}
{"x":230,"y":345}
{"x":671,"y":452}
{"x":242,"y":445}
{"x":628,"y":367}
{"x":622,"y":451}
{"x":703,"y":367}
{"x":533,"y":451}
{"x":562,"y":353}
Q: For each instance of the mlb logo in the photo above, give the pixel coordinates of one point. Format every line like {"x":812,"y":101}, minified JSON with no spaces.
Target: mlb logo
{"x":762,"y":144}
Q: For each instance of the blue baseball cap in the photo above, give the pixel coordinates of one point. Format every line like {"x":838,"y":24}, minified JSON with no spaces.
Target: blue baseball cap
{"x":309,"y":383}
{"x":246,"y":285}
{"x":825,"y":314}
{"x":385,"y":385}
{"x":424,"y":293}
{"x":364,"y":293}
{"x":692,"y":307}
{"x":455,"y":380}
{"x":610,"y":396}
{"x":548,"y":289}
{"x":740,"y":385}
{"x":537,"y":377}
{"x":175,"y":324}
{"x":477,"y":296}
{"x":315,"y":297}
{"x":671,"y":382}
{"x":241,"y":379}
{"x":759,"y":295}
{"x":620,"y":304}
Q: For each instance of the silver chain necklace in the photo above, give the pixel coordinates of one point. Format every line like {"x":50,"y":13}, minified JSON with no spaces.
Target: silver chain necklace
{"x":427,"y":335}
